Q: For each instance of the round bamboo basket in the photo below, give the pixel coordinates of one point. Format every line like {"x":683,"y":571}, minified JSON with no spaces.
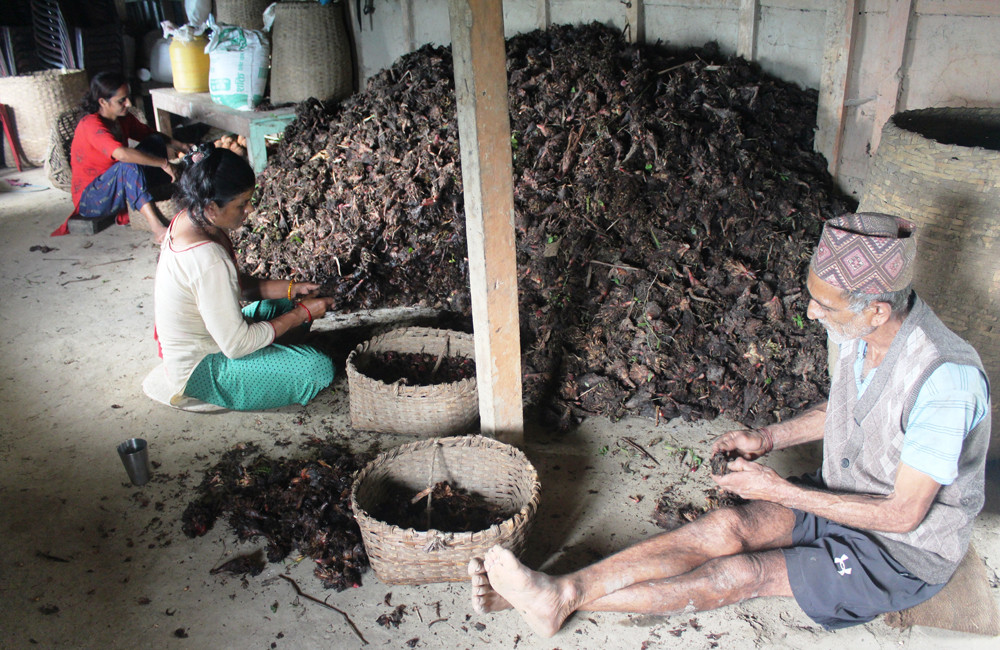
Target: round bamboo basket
{"x":940,"y":167}
{"x":37,"y":100}
{"x":433,"y":410}
{"x":57,"y":165}
{"x":311,"y":53}
{"x":499,"y":472}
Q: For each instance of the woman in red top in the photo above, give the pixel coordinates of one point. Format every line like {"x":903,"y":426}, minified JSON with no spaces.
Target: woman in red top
{"x":108,"y":174}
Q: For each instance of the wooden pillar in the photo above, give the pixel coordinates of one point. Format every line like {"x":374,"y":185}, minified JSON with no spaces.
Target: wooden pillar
{"x":543,"y":14}
{"x":484,"y":134}
{"x":746,"y":42}
{"x":636,"y":18}
{"x":893,"y":51}
{"x":833,"y":81}
{"x":406,"y":7}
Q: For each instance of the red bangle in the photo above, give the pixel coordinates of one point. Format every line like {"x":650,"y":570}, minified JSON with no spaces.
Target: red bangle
{"x":309,"y":313}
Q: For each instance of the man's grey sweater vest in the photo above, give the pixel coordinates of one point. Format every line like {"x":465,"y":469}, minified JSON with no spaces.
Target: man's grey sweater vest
{"x":863,"y":440}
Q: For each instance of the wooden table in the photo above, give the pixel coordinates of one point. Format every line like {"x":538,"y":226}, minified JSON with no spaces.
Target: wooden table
{"x":253,"y":125}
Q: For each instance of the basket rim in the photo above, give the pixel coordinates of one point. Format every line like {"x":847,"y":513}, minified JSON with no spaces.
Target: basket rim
{"x":894,"y":127}
{"x":468,"y":382}
{"x":517,"y":519}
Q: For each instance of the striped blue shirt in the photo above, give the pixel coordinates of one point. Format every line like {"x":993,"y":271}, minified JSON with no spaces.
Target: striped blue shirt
{"x":953,"y":400}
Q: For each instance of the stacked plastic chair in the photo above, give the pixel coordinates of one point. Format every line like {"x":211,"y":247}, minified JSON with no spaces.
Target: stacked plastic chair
{"x":53,"y":44}
{"x":86,"y":36}
{"x":17,"y":44}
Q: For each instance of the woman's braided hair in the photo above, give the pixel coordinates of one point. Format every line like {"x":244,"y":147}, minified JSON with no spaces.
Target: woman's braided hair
{"x":219,"y":176}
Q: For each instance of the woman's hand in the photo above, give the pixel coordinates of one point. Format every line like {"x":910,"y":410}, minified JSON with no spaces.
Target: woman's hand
{"x":747,"y":443}
{"x":182,"y":147}
{"x":171,"y":170}
{"x":302,"y":290}
{"x":317,"y":307}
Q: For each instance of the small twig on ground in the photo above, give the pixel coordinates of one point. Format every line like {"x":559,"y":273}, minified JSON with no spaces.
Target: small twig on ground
{"x":347,"y":618}
{"x":638,"y":447}
{"x":126,"y":259}
{"x":47,"y":556}
{"x":589,"y":389}
{"x":93,"y":277}
{"x":615,"y":266}
{"x":436,"y":620}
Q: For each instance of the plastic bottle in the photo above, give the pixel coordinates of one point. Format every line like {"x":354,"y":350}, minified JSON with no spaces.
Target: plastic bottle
{"x":189,"y":64}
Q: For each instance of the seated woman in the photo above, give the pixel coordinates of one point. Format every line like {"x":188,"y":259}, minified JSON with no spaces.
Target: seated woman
{"x":213,"y":350}
{"x":109,"y":175}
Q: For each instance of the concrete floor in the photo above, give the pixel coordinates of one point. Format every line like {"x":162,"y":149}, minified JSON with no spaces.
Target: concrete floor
{"x":89,"y":561}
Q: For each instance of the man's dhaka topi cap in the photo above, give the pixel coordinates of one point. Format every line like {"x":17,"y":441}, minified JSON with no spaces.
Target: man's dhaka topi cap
{"x":867,"y":252}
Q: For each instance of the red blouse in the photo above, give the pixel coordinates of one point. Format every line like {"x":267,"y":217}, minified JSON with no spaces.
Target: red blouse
{"x":93,"y":142}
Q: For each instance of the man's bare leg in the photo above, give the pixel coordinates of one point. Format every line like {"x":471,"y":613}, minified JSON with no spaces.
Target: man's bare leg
{"x":156,"y":226}
{"x":545,"y":601}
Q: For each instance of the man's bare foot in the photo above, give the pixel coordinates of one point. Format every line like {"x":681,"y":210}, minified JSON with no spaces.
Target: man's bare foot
{"x":543,"y":601}
{"x":484,"y":599}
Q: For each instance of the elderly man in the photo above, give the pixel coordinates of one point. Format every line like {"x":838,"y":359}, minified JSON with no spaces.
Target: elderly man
{"x":883,"y":524}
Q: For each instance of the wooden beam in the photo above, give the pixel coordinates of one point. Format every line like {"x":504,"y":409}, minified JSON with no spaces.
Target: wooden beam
{"x":636,"y":19}
{"x":477,"y":40}
{"x":833,"y":81}
{"x":893,"y":51}
{"x":746,"y":42}
{"x":543,"y":14}
{"x":406,"y":6}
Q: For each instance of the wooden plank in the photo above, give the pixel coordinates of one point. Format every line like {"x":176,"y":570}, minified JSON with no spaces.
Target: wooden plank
{"x":635,"y":14}
{"x":893,"y":51}
{"x":543,"y":14}
{"x":746,"y":42}
{"x":957,"y":7}
{"x":253,"y":125}
{"x":794,"y":5}
{"x":406,"y":6}
{"x":477,"y":38}
{"x":833,"y":81}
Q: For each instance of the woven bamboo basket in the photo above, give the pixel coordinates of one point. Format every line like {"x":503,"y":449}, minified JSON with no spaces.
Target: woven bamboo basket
{"x":435,"y":410}
{"x":248,"y":14}
{"x":311,"y":53}
{"x":57,"y":165}
{"x":36,"y":100}
{"x":497,"y":471}
{"x":940,"y":167}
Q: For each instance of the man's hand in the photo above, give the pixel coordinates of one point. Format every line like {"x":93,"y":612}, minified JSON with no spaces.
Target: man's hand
{"x":747,"y":443}
{"x":752,"y":481}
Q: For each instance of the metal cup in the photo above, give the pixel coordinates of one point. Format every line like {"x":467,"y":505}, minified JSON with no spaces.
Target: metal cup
{"x":135,"y":456}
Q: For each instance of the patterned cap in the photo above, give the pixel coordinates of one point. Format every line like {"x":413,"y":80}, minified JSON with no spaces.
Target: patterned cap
{"x":866,"y":252}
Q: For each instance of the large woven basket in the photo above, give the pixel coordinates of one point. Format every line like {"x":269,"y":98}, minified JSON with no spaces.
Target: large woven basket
{"x":37,"y":100}
{"x":497,"y":471}
{"x":248,"y":14}
{"x":940,"y":168}
{"x":311,"y":55}
{"x":435,"y":410}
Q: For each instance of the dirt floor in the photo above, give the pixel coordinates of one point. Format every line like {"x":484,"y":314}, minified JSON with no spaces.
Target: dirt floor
{"x":88,"y":560}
